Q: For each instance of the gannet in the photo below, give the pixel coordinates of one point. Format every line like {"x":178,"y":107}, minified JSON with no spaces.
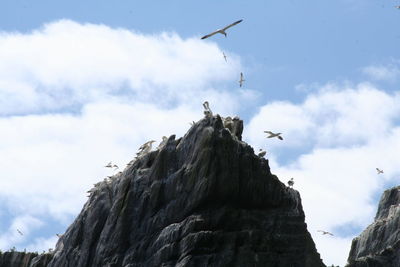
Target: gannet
{"x":290,"y":182}
{"x":271,"y":135}
{"x":192,"y":123}
{"x":379,"y":170}
{"x":58,"y":235}
{"x":162,"y":143}
{"x":222,"y":31}
{"x":241,"y":79}
{"x":207,"y":110}
{"x":325,"y":232}
{"x":19,"y":232}
{"x":262,"y":153}
{"x":111,"y":165}
{"x":145,"y":148}
{"x":224,"y":56}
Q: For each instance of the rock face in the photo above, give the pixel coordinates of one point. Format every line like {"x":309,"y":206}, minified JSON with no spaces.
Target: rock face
{"x":379,"y":244}
{"x":202,"y":200}
{"x":22,"y":259}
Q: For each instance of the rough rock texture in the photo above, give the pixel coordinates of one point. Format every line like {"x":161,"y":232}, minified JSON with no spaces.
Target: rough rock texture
{"x":203,"y":200}
{"x":22,"y":259}
{"x":379,"y":244}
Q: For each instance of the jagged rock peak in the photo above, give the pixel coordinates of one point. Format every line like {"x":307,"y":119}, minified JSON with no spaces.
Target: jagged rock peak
{"x":379,"y":244}
{"x":201,"y":200}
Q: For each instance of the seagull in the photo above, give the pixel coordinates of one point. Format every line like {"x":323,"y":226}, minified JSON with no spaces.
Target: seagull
{"x":222,"y":31}
{"x":398,"y":7}
{"x":241,"y":79}
{"x":145,"y":148}
{"x":325,"y":232}
{"x":19,"y":232}
{"x":192,"y":123}
{"x":379,"y":170}
{"x":207,"y":110}
{"x":58,"y":235}
{"x":224,"y":56}
{"x":271,"y":135}
{"x":163,"y":142}
{"x":262,"y":153}
{"x":290,"y":182}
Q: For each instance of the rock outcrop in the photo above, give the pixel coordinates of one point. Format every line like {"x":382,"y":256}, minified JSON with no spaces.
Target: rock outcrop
{"x":379,"y":244}
{"x":202,"y":200}
{"x":24,"y":259}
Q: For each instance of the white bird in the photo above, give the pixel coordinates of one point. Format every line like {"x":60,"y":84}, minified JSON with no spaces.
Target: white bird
{"x":58,"y":235}
{"x":192,"y":123}
{"x":262,"y":153}
{"x":145,"y":148}
{"x":163,"y":142}
{"x":224,"y":56}
{"x":379,"y":171}
{"x":222,"y":31}
{"x":241,"y":80}
{"x":111,"y":165}
{"x":398,"y":7}
{"x":19,"y":232}
{"x":290,"y":182}
{"x":271,"y":135}
{"x":324,"y":232}
{"x":207,"y":110}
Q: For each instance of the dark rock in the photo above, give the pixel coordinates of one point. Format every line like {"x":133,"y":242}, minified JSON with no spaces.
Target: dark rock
{"x":379,"y":244}
{"x":23,"y":259}
{"x":202,"y":200}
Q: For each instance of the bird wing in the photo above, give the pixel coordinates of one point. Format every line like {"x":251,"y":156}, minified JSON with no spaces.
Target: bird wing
{"x":233,"y":24}
{"x":268,"y":132}
{"x":209,"y":35}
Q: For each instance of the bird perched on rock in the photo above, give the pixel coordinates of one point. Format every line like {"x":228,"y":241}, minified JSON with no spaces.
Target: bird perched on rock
{"x":163,"y":142}
{"x":145,"y":148}
{"x":325,"y":232}
{"x":290,"y":182}
{"x":262,"y":153}
{"x":379,"y":171}
{"x":241,"y":79}
{"x":271,"y":135}
{"x":222,"y":31}
{"x":207,"y":110}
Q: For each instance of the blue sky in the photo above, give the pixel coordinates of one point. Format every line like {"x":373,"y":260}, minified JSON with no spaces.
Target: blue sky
{"x":83,"y":83}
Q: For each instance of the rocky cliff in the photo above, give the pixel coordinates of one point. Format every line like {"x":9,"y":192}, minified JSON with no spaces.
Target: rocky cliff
{"x":202,"y":200}
{"x":23,"y":259}
{"x":379,"y":244}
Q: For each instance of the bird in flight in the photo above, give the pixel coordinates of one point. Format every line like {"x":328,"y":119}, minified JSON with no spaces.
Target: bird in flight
{"x":290,"y":182}
{"x":398,"y":7}
{"x":224,"y":56}
{"x":110,"y":165}
{"x":379,"y":171}
{"x":271,"y":135}
{"x":325,"y":232}
{"x":19,"y":232}
{"x":241,"y":79}
{"x":145,"y":148}
{"x":222,"y":31}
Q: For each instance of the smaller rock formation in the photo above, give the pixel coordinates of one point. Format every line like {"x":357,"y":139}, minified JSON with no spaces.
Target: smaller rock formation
{"x":24,"y":259}
{"x":379,"y":244}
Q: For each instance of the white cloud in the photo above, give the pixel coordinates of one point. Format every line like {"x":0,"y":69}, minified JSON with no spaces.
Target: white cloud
{"x":385,"y":73}
{"x":341,"y":134}
{"x":67,"y":64}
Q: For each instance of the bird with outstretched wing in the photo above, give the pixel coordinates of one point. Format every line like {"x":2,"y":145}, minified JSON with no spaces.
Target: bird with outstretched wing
{"x":222,"y":31}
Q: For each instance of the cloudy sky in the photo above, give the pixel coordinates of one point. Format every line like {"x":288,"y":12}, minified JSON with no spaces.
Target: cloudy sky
{"x":86,"y":82}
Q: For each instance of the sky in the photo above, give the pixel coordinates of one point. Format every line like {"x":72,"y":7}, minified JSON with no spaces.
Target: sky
{"x":83,"y":83}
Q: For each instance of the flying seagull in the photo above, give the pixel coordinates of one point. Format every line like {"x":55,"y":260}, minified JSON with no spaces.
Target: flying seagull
{"x":325,"y":232}
{"x":398,"y":7}
{"x":224,"y":56}
{"x":379,"y":170}
{"x":222,"y":31}
{"x":271,"y":135}
{"x":290,"y":182}
{"x":241,"y":79}
{"x":19,"y":232}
